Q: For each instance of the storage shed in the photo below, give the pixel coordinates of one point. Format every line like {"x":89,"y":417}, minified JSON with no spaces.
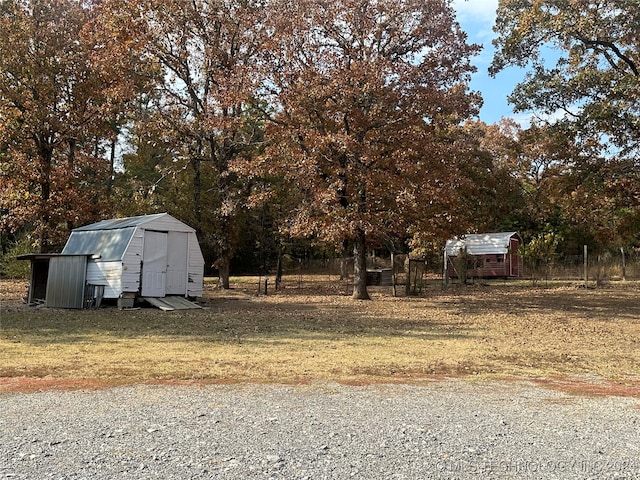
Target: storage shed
{"x":148,"y":256}
{"x":494,"y":255}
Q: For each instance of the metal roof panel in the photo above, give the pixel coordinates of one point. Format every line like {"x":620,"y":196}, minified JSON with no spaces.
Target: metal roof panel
{"x":116,"y":223}
{"x":481,"y":243}
{"x":109,"y":244}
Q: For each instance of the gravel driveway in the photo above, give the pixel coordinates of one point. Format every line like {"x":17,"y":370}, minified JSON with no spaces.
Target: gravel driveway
{"x":443,"y":430}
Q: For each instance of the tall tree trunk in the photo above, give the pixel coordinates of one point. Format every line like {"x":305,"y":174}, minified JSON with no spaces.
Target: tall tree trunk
{"x":222,"y":158}
{"x":196,"y":164}
{"x":360,"y":267}
{"x":112,"y":169}
{"x":46,"y":161}
{"x":71,"y":163}
{"x":223,"y":264}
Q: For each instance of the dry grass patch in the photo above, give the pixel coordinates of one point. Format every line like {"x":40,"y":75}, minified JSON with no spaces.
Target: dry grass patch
{"x":316,"y":333}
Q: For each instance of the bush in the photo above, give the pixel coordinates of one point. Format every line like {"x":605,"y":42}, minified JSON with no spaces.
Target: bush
{"x":12,"y":268}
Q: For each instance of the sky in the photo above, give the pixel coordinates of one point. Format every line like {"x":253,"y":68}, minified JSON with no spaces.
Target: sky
{"x":477,"y":17}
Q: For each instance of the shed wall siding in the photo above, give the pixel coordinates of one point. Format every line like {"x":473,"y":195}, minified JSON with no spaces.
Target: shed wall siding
{"x":107,"y":274}
{"x":132,"y":263}
{"x":195,"y":278}
{"x":490,"y":266}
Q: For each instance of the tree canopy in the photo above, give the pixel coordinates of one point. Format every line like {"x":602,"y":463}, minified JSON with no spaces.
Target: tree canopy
{"x":590,"y":97}
{"x":595,"y":81}
{"x":273,"y":125}
{"x":365,"y":96}
{"x":59,"y":104}
{"x":206,"y":55}
{"x":51,"y":118}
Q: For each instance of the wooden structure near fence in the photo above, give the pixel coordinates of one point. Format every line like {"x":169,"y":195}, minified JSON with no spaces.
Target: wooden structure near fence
{"x":486,"y":255}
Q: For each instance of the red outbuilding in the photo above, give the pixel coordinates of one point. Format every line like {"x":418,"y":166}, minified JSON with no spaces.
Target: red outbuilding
{"x":491,"y":255}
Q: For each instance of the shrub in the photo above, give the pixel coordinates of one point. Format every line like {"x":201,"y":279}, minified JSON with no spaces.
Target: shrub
{"x":12,"y":268}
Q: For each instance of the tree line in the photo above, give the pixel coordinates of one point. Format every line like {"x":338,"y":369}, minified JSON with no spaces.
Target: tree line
{"x":273,"y":126}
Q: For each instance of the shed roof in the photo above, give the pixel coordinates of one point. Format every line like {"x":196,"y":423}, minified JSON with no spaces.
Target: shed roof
{"x":116,"y":223}
{"x":109,"y":244}
{"x":110,"y":238}
{"x":48,"y":256}
{"x":481,"y":243}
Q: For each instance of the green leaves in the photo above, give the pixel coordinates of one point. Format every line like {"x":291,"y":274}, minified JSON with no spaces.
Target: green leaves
{"x":595,"y":82}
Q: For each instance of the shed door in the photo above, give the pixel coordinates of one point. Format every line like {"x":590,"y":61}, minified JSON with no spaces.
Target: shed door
{"x":177,"y":248}
{"x":154,"y":264}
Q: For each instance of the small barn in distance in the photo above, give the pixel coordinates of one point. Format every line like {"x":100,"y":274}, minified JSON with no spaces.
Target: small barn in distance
{"x":493,"y":255}
{"x":150,"y":256}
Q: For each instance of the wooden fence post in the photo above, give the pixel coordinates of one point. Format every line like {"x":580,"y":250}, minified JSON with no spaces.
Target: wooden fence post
{"x":445,"y":270}
{"x":586,"y":265}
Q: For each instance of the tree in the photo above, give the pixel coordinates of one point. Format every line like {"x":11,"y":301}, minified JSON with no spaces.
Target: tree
{"x":493,"y":199}
{"x":206,"y":52}
{"x":597,"y":199}
{"x":50,"y":120}
{"x":60,"y":106}
{"x":539,"y":252}
{"x":367,"y":97}
{"x":593,"y":92}
{"x":574,"y":189}
{"x":143,"y":184}
{"x":595,"y":82}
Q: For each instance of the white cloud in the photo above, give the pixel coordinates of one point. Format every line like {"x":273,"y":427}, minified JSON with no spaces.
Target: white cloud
{"x":526,"y":119}
{"x":476,"y":10}
{"x":477,"y":17}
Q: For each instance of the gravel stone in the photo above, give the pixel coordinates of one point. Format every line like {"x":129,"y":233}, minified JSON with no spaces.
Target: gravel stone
{"x":442,"y":430}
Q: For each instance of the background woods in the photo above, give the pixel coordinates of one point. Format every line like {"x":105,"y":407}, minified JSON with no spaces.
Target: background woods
{"x":54,"y":121}
{"x":279,"y":127}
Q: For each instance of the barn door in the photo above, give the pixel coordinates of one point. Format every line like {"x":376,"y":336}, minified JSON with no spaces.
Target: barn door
{"x":154,"y":264}
{"x":178,"y":246}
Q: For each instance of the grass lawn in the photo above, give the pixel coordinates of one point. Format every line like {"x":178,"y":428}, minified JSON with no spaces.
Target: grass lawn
{"x":312,"y":331}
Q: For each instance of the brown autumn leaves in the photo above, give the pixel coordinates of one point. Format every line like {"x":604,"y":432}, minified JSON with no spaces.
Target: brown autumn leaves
{"x":352,"y":107}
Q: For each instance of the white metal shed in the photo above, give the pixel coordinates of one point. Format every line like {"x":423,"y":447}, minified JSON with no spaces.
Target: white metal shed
{"x":149,"y":256}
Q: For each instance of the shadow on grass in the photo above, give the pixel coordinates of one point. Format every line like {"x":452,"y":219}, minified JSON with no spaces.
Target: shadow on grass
{"x":242,"y":318}
{"x":222,"y":321}
{"x":597,"y":305}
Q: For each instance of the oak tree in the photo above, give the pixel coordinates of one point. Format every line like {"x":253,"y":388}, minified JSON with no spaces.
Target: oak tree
{"x":51,"y":122}
{"x":366,"y":95}
{"x":584,"y":60}
{"x":594,"y":83}
{"x":206,"y":52}
{"x":61,"y":101}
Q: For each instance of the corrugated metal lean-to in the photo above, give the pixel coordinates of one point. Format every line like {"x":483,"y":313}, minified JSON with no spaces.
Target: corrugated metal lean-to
{"x":66,"y":283}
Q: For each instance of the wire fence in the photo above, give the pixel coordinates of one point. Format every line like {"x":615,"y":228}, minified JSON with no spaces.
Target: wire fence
{"x":602,"y":269}
{"x":608,"y":267}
